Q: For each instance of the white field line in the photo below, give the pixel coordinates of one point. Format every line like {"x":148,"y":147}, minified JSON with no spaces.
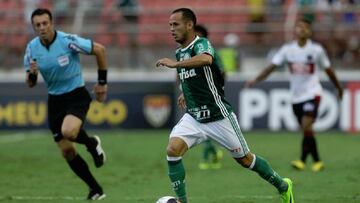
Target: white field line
{"x":18,"y":137}
{"x":44,"y":198}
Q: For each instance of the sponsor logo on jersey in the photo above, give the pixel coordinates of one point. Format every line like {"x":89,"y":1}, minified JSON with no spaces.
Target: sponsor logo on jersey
{"x":157,"y":109}
{"x":63,"y":60}
{"x":301,"y":68}
{"x":200,"y":113}
{"x":185,"y":74}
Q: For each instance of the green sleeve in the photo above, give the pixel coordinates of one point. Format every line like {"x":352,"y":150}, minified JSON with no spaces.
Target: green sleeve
{"x":202,"y":46}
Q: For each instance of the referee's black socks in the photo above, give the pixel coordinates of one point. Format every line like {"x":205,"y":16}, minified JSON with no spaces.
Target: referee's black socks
{"x":81,"y":169}
{"x":83,"y":138}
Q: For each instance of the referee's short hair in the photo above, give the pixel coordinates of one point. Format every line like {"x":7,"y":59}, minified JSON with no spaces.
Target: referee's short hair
{"x":187,"y":13}
{"x":39,"y":12}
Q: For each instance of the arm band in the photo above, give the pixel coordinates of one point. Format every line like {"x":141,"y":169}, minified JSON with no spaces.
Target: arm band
{"x":102,"y":75}
{"x":32,"y":77}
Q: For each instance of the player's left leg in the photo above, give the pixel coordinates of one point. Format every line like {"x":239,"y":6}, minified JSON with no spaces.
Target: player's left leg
{"x":217,"y":155}
{"x":308,"y":137}
{"x":233,"y":139}
{"x":263,"y":168}
{"x":299,"y":111}
{"x":210,"y":152}
{"x":204,"y":163}
{"x":81,"y":169}
{"x":210,"y":147}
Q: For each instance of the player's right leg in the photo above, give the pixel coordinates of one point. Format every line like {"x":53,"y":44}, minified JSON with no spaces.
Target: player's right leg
{"x":299,"y":164}
{"x":71,"y":130}
{"x":81,"y":169}
{"x":182,"y":137}
{"x":309,"y":142}
{"x":175,"y":150}
{"x":78,"y":106}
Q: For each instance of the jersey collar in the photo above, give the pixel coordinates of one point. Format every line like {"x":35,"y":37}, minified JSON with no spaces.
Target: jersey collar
{"x":48,"y":45}
{"x":307,"y":43}
{"x":196,"y":38}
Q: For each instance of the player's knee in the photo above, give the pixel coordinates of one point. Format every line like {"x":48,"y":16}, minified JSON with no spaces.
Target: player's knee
{"x":307,"y":123}
{"x":68,"y":153}
{"x":306,"y":128}
{"x":174,"y":151}
{"x":69,"y":133}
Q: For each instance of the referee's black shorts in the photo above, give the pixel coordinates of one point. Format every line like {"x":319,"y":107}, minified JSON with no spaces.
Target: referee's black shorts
{"x":76,"y":103}
{"x":307,"y":108}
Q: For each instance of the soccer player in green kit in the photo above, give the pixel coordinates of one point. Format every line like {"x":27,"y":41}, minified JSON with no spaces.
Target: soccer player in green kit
{"x":208,"y":114}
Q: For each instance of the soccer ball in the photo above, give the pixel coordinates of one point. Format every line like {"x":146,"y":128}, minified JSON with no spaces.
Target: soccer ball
{"x":167,"y":199}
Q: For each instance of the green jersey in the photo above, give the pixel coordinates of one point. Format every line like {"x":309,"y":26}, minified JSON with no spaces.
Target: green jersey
{"x":202,"y":86}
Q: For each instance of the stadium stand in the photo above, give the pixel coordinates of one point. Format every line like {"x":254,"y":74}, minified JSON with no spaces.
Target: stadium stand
{"x":103,"y":22}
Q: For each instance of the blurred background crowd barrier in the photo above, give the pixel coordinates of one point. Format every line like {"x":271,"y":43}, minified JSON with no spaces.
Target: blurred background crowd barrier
{"x":136,"y":32}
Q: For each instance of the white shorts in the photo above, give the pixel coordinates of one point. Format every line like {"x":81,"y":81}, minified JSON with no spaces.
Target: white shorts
{"x":226,"y":132}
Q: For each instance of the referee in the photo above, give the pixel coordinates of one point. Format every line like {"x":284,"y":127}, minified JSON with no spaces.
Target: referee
{"x":55,"y":55}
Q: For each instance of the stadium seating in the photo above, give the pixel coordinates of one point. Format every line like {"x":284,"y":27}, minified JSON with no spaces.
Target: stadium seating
{"x":104,"y":23}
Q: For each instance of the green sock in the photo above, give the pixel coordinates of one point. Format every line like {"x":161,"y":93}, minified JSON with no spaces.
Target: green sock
{"x":208,"y":148}
{"x":177,"y":177}
{"x":211,"y":148}
{"x":263,"y":168}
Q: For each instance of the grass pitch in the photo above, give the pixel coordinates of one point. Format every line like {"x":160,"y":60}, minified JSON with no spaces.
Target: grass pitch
{"x":32,"y":170}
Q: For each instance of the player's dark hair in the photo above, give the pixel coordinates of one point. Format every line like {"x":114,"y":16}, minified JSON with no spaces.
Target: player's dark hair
{"x":306,"y":20}
{"x":187,"y":13}
{"x":39,"y":12}
{"x":202,"y":30}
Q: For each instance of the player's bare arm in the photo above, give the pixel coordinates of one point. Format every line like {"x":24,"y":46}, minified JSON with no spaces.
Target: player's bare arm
{"x":194,"y":62}
{"x":100,"y":89}
{"x":167,"y":63}
{"x":32,"y":74}
{"x":335,"y":81}
{"x":181,"y":101}
{"x":262,"y":75}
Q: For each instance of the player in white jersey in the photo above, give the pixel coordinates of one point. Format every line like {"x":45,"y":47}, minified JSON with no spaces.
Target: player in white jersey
{"x":305,"y":60}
